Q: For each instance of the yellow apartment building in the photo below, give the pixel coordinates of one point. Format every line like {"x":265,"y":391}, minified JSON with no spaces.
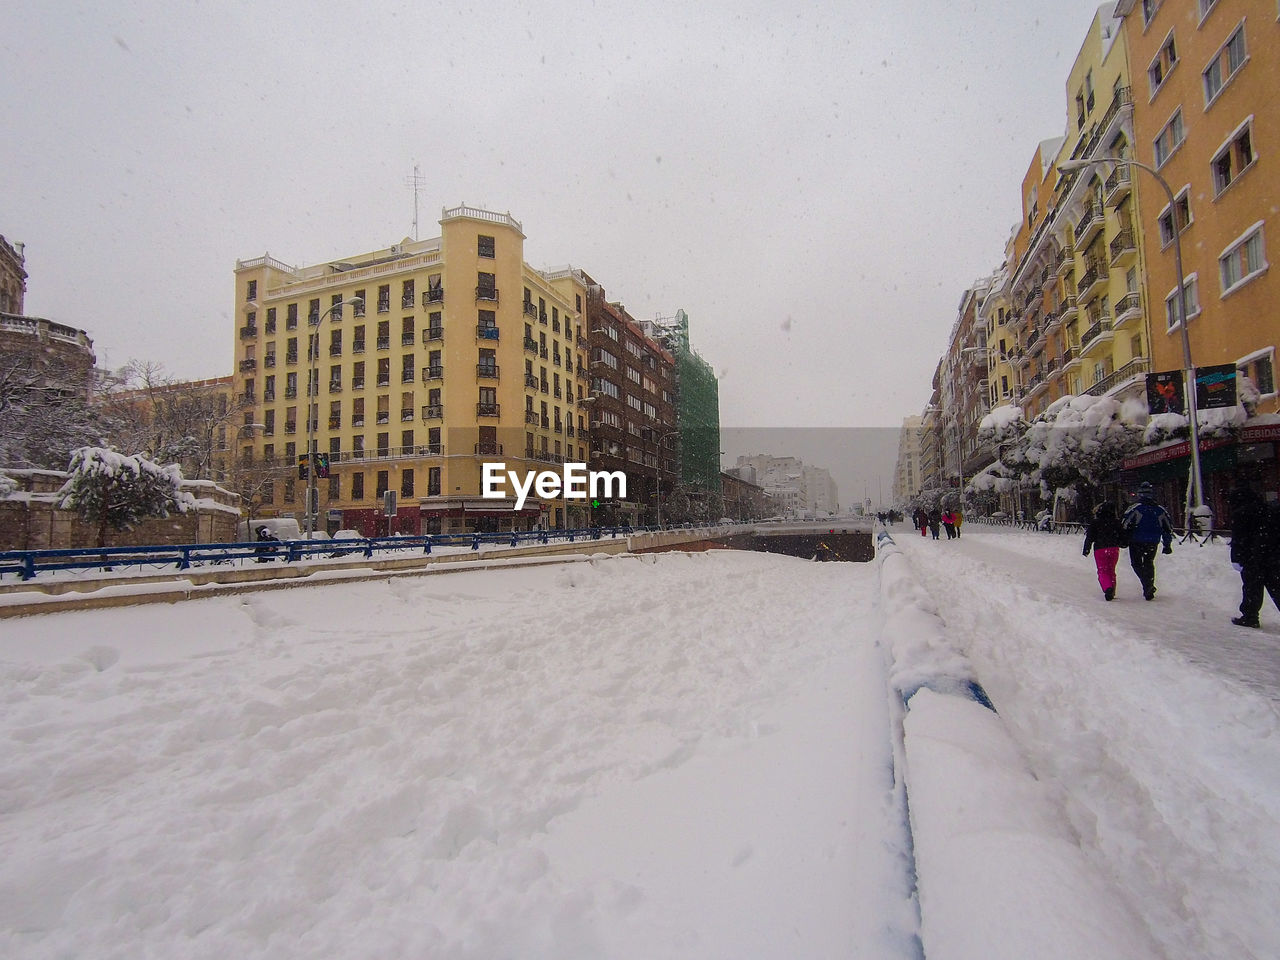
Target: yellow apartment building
{"x":1103,"y":305}
{"x":422,"y":362}
{"x":1207,"y":118}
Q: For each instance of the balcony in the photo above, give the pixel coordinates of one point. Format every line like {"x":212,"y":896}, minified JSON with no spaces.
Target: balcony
{"x":248,"y":332}
{"x":248,"y":364}
{"x":432,"y":334}
{"x":357,"y":383}
{"x":1064,"y":263}
{"x":406,"y":376}
{"x":544,"y":386}
{"x":357,"y":346}
{"x":488,"y":409}
{"x":530,"y":310}
{"x":486,"y":332}
{"x":335,"y":423}
{"x":1069,"y":308}
{"x":383,"y":416}
{"x":1089,"y":225}
{"x":384,"y":380}
{"x":1136,"y":367}
{"x":335,"y":386}
{"x":357,"y":308}
{"x":290,"y":393}
{"x":1096,"y":335}
{"x":268,"y":395}
{"x":1128,"y":307}
{"x":357,"y":420}
{"x":487,"y":371}
{"x":269,"y":361}
{"x":433,"y":295}
{"x":1091,"y":281}
{"x":433,"y":411}
{"x":291,"y":356}
{"x":489,"y":447}
{"x":1124,"y":248}
{"x":530,"y":345}
{"x":406,"y":302}
{"x":384,"y":306}
{"x":1052,"y":321}
{"x":290,"y":426}
{"x":433,"y":373}
{"x":384,"y":343}
{"x":487,"y":293}
{"x":1071,"y":357}
{"x":407,"y":339}
{"x":406,"y":415}
{"x":431,"y":450}
{"x":531,"y":381}
{"x":531,"y":418}
{"x":1117,"y":186}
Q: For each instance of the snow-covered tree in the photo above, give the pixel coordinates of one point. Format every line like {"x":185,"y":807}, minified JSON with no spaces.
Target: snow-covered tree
{"x":44,"y":413}
{"x":119,"y":492}
{"x":1079,"y":443}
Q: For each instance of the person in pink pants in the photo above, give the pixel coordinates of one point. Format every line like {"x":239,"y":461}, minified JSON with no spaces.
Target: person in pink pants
{"x":1105,"y":536}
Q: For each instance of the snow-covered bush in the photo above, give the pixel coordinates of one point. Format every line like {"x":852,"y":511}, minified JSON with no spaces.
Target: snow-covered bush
{"x":118,"y":491}
{"x":7,"y":486}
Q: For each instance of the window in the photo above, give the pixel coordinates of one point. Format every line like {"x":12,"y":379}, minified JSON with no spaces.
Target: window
{"x":1205,"y":7}
{"x":251,"y":291}
{"x":384,"y":298}
{"x":1224,"y":66}
{"x":1191,"y":286}
{"x":1170,"y":138}
{"x":1243,"y":260}
{"x":1163,"y":63}
{"x":433,"y":481}
{"x":1234,"y":158}
{"x":1182,"y":210}
{"x":406,"y":482}
{"x":380,"y":486}
{"x":1149,"y":8}
{"x":1260,"y":368}
{"x":485,"y":246}
{"x":357,"y":486}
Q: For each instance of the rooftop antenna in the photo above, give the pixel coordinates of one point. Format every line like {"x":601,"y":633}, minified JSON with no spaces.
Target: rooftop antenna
{"x":415,"y":180}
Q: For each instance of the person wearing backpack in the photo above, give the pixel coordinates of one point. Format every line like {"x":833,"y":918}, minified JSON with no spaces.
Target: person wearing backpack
{"x":1255,"y":553}
{"x":1146,"y":524}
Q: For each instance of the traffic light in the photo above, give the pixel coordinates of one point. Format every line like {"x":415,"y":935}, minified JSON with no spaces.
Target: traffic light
{"x":322,"y":465}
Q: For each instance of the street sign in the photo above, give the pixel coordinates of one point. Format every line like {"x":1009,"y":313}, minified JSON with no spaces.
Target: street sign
{"x":389,"y":503}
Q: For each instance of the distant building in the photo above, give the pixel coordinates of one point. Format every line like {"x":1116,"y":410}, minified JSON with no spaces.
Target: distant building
{"x":458,"y":353}
{"x":697,"y":403}
{"x":906,"y":473}
{"x":13,"y":277}
{"x":796,"y":489}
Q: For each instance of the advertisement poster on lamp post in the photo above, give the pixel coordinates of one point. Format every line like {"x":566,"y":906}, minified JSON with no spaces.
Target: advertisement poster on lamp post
{"x":1216,"y":386}
{"x":1165,"y":392}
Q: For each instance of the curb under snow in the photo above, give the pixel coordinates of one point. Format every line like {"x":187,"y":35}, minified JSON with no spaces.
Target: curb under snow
{"x":999,"y":873}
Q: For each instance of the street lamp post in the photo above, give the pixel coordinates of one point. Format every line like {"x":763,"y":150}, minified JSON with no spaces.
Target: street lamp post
{"x":1189,"y":372}
{"x":313,"y":406}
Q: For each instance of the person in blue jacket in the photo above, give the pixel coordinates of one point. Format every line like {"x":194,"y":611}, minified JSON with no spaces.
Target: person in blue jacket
{"x":1146,"y":524}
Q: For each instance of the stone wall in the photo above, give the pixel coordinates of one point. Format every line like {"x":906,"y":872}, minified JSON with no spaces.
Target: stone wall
{"x":30,"y":520}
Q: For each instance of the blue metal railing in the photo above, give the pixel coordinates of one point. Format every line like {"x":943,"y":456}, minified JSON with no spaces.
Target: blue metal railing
{"x":27,"y":563}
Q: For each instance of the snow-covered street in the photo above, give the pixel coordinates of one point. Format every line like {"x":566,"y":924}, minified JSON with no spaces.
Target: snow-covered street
{"x":662,"y":756}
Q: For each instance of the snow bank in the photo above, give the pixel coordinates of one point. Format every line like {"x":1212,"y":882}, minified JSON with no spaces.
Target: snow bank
{"x":1000,"y":874}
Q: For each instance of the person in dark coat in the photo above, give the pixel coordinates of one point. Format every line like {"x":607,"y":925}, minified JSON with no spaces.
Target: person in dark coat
{"x":949,"y":521}
{"x":935,"y":520}
{"x":1146,"y":524}
{"x":1105,"y":537}
{"x":1255,"y":553}
{"x":921,"y":520}
{"x":266,"y":553}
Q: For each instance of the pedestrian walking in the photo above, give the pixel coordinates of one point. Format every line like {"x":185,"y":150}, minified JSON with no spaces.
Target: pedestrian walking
{"x":949,"y":523}
{"x":935,"y":520}
{"x":959,"y":522}
{"x":1105,"y":537}
{"x":1146,"y":524}
{"x":921,"y":520}
{"x":1255,"y":553}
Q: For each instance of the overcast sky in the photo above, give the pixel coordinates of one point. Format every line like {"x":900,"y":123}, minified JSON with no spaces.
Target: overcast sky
{"x":815,"y":184}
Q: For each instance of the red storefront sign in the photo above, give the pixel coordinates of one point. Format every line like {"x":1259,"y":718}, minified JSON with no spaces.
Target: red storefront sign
{"x":1261,"y":433}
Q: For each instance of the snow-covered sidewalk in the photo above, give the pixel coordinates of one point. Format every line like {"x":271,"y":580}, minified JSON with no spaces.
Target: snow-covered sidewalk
{"x":1158,"y":723}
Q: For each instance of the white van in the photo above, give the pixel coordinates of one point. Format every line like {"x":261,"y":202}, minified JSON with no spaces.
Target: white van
{"x":282,"y":528}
